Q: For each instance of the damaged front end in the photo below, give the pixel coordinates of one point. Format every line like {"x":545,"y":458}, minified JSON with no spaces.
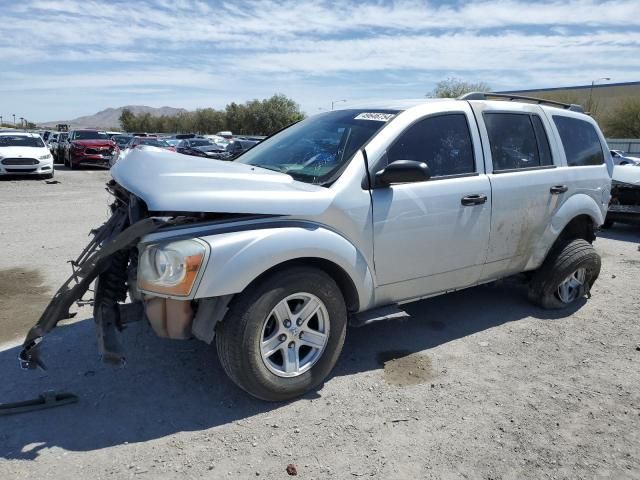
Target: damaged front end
{"x":624,"y":206}
{"x":110,"y":258}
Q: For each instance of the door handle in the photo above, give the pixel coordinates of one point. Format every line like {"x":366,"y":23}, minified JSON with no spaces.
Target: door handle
{"x":558,"y":189}
{"x":473,"y":199}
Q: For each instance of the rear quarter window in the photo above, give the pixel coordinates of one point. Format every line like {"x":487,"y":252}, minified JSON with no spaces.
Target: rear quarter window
{"x":580,"y":141}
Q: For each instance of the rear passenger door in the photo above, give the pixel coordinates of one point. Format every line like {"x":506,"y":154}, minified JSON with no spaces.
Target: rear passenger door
{"x":527,"y":182}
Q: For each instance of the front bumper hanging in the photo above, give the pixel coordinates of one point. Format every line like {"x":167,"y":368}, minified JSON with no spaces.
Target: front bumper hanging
{"x":114,"y":236}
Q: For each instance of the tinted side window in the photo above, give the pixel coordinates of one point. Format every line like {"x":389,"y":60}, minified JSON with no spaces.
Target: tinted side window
{"x":543,"y":141}
{"x":580,"y":141}
{"x":443,"y":142}
{"x":513,"y":141}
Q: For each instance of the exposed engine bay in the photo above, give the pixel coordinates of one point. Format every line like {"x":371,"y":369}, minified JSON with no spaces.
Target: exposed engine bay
{"x":625,"y":195}
{"x":111,"y":259}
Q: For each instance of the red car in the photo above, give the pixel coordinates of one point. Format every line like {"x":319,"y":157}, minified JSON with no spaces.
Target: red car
{"x":89,"y":148}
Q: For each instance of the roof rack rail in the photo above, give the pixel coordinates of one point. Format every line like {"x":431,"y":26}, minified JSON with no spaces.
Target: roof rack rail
{"x":485,"y":96}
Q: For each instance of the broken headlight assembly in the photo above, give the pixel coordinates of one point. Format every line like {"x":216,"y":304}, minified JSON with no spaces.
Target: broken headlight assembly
{"x":171,"y":268}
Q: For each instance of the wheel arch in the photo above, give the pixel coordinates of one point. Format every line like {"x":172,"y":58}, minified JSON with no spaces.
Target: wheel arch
{"x":239,"y":259}
{"x":337,"y":273}
{"x":579,"y":217}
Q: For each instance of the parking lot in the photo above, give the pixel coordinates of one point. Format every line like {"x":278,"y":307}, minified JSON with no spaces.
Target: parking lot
{"x":476,"y":384}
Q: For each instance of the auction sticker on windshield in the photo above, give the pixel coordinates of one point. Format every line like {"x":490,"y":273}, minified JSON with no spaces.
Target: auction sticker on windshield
{"x":377,"y":117}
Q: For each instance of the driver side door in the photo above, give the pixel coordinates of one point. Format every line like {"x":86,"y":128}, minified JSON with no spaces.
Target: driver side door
{"x":432,"y":236}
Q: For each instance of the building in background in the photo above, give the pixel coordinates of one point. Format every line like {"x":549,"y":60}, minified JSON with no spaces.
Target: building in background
{"x":600,"y":99}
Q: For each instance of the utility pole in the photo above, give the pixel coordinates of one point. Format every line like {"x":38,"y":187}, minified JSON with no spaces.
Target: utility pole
{"x":21,"y":122}
{"x":593,"y":82}
{"x":14,"y":119}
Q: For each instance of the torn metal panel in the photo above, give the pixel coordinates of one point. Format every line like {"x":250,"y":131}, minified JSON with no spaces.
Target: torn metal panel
{"x":210,"y":312}
{"x":93,"y":261}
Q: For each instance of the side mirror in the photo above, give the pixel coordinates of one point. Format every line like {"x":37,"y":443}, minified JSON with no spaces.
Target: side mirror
{"x":403,"y":171}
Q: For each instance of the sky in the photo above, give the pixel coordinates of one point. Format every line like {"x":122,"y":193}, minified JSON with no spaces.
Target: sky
{"x":60,"y":59}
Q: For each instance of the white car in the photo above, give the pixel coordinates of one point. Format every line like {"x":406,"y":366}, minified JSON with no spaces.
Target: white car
{"x":23,"y":153}
{"x":621,"y":158}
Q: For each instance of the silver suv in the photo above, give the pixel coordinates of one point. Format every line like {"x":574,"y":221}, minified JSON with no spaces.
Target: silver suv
{"x":342,"y":218}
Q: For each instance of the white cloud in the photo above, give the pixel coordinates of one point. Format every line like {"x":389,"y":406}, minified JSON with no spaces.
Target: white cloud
{"x":189,"y":49}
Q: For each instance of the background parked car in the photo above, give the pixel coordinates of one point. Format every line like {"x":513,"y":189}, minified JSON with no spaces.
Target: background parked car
{"x":620,"y":158}
{"x":58,"y":153}
{"x":45,"y":135}
{"x":239,"y":145}
{"x":200,"y":147}
{"x":89,"y":148}
{"x":23,"y":153}
{"x":122,"y":140}
{"x":225,"y":134}
{"x":150,"y":141}
{"x":52,"y":143}
{"x":624,"y":206}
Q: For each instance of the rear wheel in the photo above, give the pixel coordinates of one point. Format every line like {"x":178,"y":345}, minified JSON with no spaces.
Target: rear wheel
{"x":282,"y":337}
{"x":566,"y":275}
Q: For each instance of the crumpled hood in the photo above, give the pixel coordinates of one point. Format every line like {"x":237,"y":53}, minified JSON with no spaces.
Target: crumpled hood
{"x":172,"y":182}
{"x":627,"y":174}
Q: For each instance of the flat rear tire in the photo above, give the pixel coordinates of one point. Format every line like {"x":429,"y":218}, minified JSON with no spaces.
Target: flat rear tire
{"x":566,"y":276}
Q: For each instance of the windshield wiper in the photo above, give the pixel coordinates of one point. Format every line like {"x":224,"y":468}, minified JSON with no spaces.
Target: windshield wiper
{"x":273,"y":169}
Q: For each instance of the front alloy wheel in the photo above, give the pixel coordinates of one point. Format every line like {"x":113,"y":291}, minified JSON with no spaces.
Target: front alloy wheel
{"x":295,"y":335}
{"x":284,"y":334}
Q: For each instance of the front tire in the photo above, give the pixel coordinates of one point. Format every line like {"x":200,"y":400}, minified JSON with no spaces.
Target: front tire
{"x":566,"y":275}
{"x":283,"y":336}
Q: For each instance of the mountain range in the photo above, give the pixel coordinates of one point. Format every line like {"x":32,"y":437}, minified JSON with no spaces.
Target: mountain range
{"x":109,"y":119}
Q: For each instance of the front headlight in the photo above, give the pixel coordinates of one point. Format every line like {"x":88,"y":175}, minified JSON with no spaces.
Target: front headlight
{"x":171,"y":268}
{"x":44,"y":157}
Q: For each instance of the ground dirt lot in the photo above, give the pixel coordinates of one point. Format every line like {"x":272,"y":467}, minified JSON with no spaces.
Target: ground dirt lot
{"x":477,"y":384}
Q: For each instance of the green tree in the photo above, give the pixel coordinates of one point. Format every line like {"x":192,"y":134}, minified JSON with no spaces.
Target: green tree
{"x":127,"y":120}
{"x":454,"y":87}
{"x":624,"y":121}
{"x":276,"y":113}
{"x":235,"y":117}
{"x":259,"y":117}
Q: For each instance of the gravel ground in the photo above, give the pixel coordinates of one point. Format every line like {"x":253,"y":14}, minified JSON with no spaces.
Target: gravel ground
{"x":476,"y":384}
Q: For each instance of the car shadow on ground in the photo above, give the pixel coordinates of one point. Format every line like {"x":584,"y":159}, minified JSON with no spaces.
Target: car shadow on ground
{"x":22,"y":178}
{"x":622,"y":232}
{"x":174,"y":386}
{"x":57,"y":168}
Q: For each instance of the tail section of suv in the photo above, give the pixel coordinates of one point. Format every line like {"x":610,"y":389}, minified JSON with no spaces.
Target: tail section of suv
{"x":342,"y":217}
{"x":89,"y":148}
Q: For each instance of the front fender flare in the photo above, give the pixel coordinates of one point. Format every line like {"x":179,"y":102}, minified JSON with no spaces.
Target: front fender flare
{"x":238,"y":258}
{"x":578,"y":204}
